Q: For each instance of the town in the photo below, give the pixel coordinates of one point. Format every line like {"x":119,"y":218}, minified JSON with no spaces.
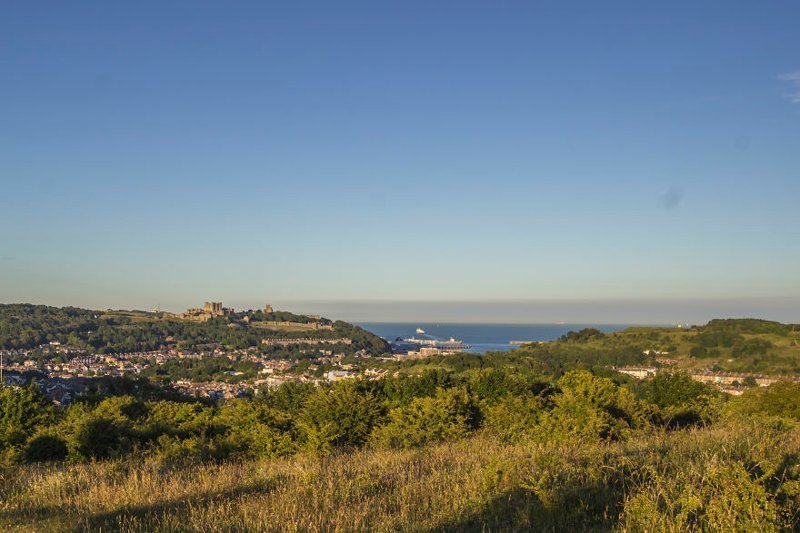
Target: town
{"x":64,"y":372}
{"x":62,"y":378}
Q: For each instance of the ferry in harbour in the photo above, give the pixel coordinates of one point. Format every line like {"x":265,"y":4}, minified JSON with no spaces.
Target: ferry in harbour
{"x":420,"y":331}
{"x":451,"y":344}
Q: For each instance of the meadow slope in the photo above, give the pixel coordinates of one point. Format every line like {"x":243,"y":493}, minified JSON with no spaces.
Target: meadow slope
{"x":738,"y":475}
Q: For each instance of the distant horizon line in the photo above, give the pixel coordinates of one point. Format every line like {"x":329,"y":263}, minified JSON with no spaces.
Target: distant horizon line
{"x":525,"y":323}
{"x":629,"y":312}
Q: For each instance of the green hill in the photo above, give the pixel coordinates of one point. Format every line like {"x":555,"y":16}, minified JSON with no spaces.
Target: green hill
{"x":735,"y":345}
{"x":26,"y":326}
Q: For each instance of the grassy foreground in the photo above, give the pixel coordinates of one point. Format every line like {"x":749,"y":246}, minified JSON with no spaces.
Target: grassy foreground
{"x":735,"y":476}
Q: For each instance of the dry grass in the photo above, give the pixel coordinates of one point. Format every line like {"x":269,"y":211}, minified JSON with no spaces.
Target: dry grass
{"x":472,"y":484}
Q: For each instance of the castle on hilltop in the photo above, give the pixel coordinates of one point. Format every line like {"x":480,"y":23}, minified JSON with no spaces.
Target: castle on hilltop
{"x":209,"y":310}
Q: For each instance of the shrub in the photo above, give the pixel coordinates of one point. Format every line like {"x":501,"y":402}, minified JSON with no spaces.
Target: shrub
{"x":45,"y":447}
{"x":723,"y":497}
{"x":255,"y":429}
{"x":492,"y":384}
{"x":261,"y":440}
{"x":174,"y":450}
{"x":98,"y":438}
{"x":289,"y":397}
{"x":514,"y":417}
{"x":121,"y":409}
{"x":401,"y":390}
{"x":592,"y":408}
{"x":182,"y":419}
{"x":449,"y":414}
{"x":780,"y":399}
{"x":668,"y":389}
{"x":682,"y":401}
{"x":341,"y":416}
{"x":583,"y":335}
{"x":698,"y":351}
{"x":701,"y":411}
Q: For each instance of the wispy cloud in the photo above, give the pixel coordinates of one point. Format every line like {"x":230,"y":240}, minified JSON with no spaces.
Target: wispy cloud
{"x":794,"y":81}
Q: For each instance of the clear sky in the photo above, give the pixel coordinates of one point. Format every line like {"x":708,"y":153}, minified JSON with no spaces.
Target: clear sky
{"x":167,"y":153}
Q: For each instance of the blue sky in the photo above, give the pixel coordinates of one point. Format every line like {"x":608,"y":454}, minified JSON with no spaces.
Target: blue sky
{"x":172,"y":152}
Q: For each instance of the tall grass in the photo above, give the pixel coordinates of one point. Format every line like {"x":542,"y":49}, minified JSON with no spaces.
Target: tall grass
{"x":738,"y":475}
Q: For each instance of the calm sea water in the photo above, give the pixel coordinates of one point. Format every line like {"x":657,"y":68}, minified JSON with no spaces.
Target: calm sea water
{"x":481,"y":337}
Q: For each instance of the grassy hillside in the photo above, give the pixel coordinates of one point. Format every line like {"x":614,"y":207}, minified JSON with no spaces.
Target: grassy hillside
{"x":754,"y":346}
{"x":486,"y":450}
{"x":738,"y":476}
{"x":739,"y":345}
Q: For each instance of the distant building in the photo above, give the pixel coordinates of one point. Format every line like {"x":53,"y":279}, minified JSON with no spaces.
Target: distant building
{"x":425,"y":351}
{"x":339,"y":375}
{"x":304,"y":340}
{"x":268,"y":309}
{"x":213,"y":307}
{"x":639,"y":372}
{"x":667,"y":361}
{"x":209,"y":310}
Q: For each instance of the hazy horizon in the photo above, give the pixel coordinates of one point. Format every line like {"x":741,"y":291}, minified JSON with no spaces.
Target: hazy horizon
{"x":611,"y":312}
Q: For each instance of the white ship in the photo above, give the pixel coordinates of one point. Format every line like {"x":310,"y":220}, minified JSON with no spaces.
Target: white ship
{"x":420,"y":331}
{"x":451,"y":344}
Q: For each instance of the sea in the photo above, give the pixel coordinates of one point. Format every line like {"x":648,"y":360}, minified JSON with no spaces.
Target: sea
{"x":481,"y":337}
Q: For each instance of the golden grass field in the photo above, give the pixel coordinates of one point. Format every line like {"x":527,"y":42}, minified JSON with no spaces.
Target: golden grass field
{"x":699,"y":479}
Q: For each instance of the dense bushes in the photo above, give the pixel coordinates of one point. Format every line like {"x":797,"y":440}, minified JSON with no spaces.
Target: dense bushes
{"x":44,"y":448}
{"x":720,"y":497}
{"x":779,"y":400}
{"x":591,"y":407}
{"x":672,"y":389}
{"x":342,"y":416}
{"x":400,"y":412}
{"x":683,"y":402}
{"x":395,"y":412}
{"x":515,"y":417}
{"x":448,"y":415}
